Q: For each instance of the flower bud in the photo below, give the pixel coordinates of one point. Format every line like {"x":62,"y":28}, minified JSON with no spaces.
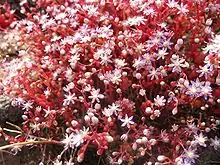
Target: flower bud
{"x":97,"y":106}
{"x":208,"y":22}
{"x":207,"y":129}
{"x":95,"y":120}
{"x":161,"y":158}
{"x":143,"y":152}
{"x":217,"y":122}
{"x":144,"y":140}
{"x":120,"y":161}
{"x":80,"y":157}
{"x":74,"y":123}
{"x":180,"y":41}
{"x":24,"y":117}
{"x":196,"y":40}
{"x":124,"y":74}
{"x":153,"y":141}
{"x":114,"y":153}
{"x":124,"y":137}
{"x":87,"y":118}
{"x":118,"y":90}
{"x":134,"y":146}
{"x":148,"y":110}
{"x":138,"y":75}
{"x":146,"y":132}
{"x":109,"y":139}
{"x":138,"y":141}
{"x":203,"y":124}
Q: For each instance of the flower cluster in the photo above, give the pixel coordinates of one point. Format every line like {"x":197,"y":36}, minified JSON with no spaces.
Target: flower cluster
{"x":132,"y":78}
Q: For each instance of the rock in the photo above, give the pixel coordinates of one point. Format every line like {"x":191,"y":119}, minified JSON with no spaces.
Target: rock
{"x":8,"y":112}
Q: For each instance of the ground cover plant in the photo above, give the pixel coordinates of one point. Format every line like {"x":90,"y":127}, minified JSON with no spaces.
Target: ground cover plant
{"x":135,"y":81}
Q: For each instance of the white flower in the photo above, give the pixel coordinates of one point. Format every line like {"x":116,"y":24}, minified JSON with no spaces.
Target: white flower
{"x":55,"y":38}
{"x":100,"y":52}
{"x":164,"y":136}
{"x":215,"y":143}
{"x":196,"y":83}
{"x":205,"y":70}
{"x":138,"y":20}
{"x":177,"y":63}
{"x":124,"y":137}
{"x":190,"y":155}
{"x":174,"y":127}
{"x":154,"y":41}
{"x":167,"y":43}
{"x":159,"y":101}
{"x":162,"y":71}
{"x":193,"y":91}
{"x":75,"y":139}
{"x":148,"y":58}
{"x":70,"y":98}
{"x":105,"y":32}
{"x":149,"y":11}
{"x":57,"y":162}
{"x":95,"y":95}
{"x":206,"y":90}
{"x":75,"y":50}
{"x":200,"y":139}
{"x":192,"y":128}
{"x":161,"y":53}
{"x":107,"y":112}
{"x":69,"y":87}
{"x":60,"y":16}
{"x":105,"y":59}
{"x":27,"y":106}
{"x":140,"y":48}
{"x":172,"y":4}
{"x":18,"y":101}
{"x":135,"y":3}
{"x":153,"y":74}
{"x":138,"y":63}
{"x":35,"y":126}
{"x":120,"y":63}
{"x":91,"y":9}
{"x":87,"y":88}
{"x":47,"y":92}
{"x":182,"y":9}
{"x":142,"y":92}
{"x":127,"y":121}
{"x":114,"y":108}
{"x":44,"y":18}
{"x":157,"y":113}
{"x":214,"y":46}
{"x":47,"y":49}
{"x":48,"y":112}
{"x":115,"y":77}
{"x":48,"y":23}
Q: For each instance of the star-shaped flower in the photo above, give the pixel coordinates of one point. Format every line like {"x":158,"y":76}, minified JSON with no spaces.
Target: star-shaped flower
{"x":95,"y":95}
{"x":127,"y":121}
